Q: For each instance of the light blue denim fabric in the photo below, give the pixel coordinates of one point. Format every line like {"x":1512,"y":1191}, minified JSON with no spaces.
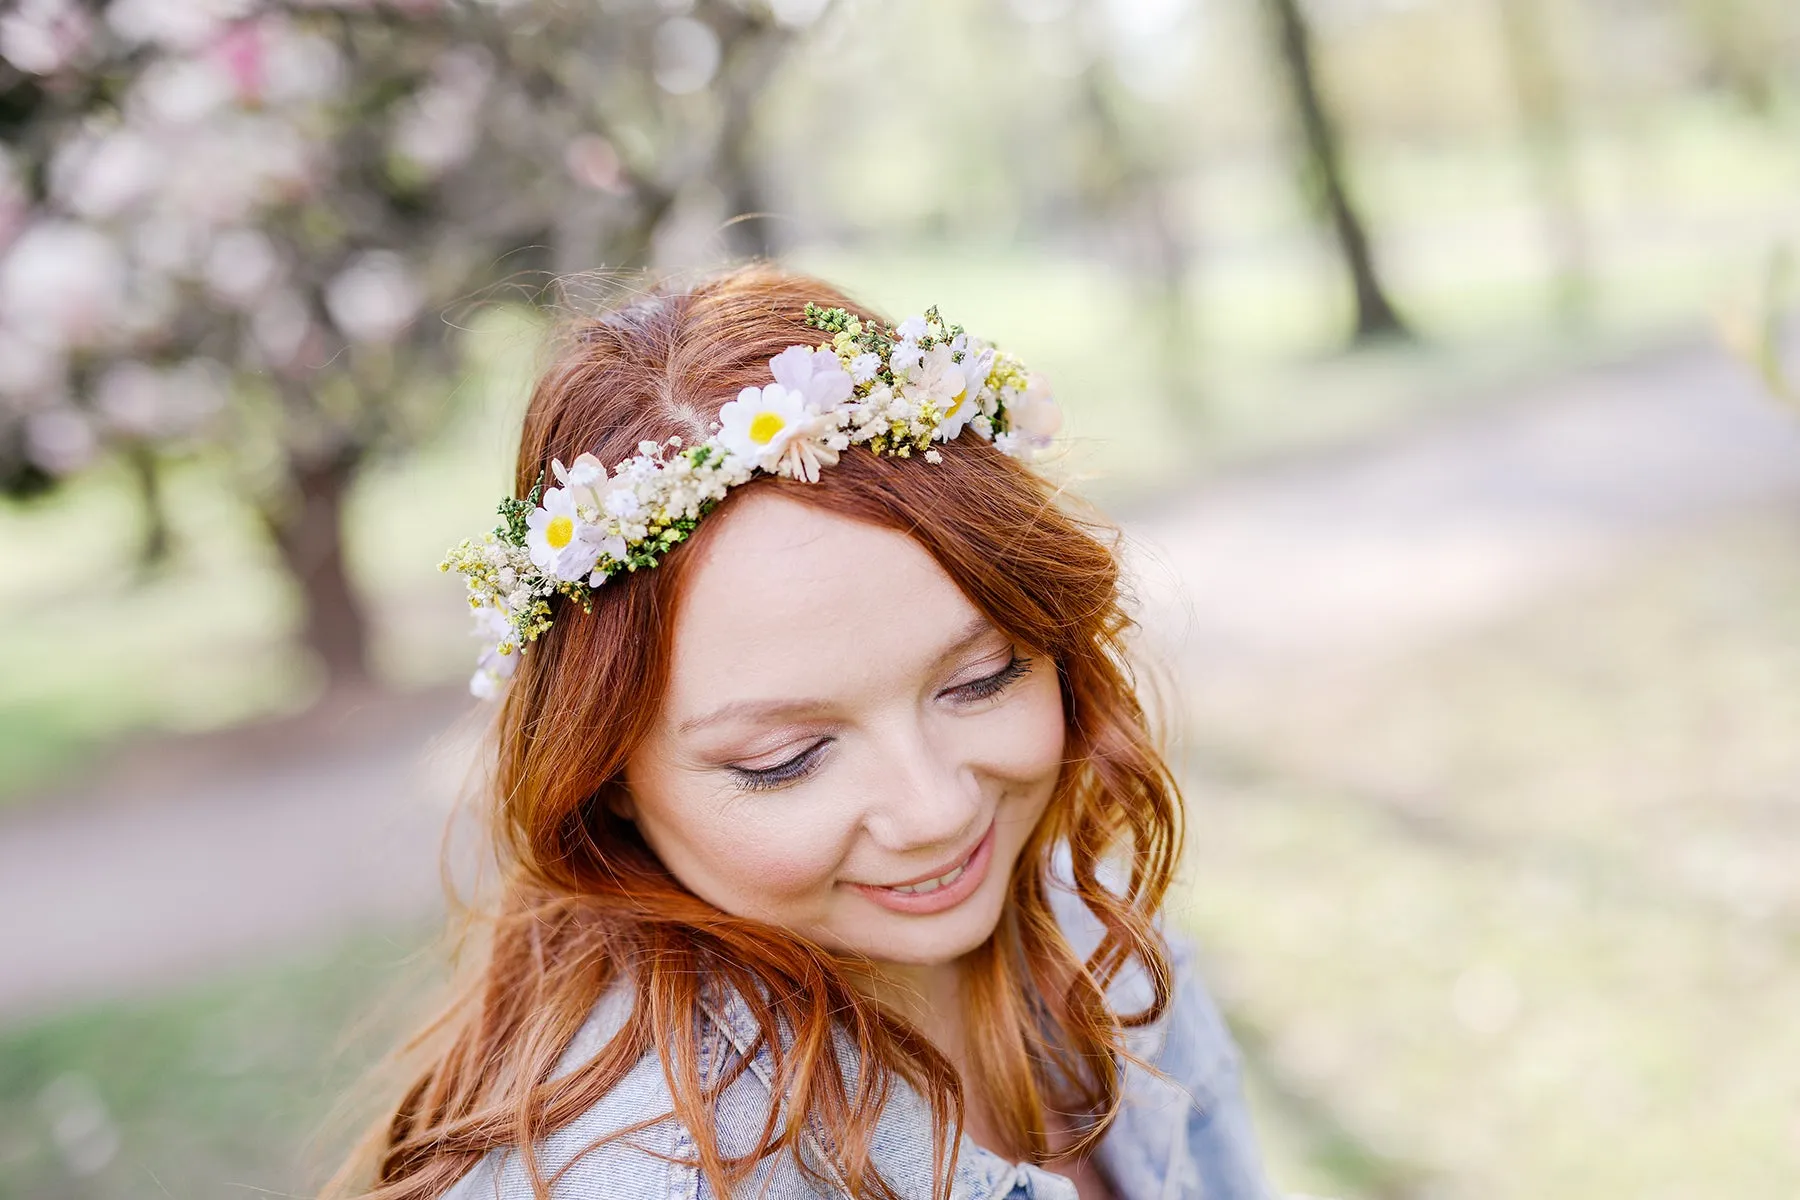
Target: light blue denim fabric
{"x":1183,"y":1136}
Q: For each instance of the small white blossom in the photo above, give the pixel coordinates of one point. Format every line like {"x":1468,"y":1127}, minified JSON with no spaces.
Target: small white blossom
{"x":499,"y":656}
{"x":938,"y":381}
{"x":63,"y":283}
{"x":585,"y":473}
{"x":911,"y":329}
{"x":41,"y":36}
{"x":374,"y":298}
{"x":612,"y":551}
{"x":815,"y":376}
{"x":905,"y":359}
{"x":622,"y":501}
{"x":865,"y":367}
{"x":1033,"y":415}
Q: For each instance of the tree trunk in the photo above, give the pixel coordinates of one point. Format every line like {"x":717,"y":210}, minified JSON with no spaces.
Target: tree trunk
{"x":308,"y":532}
{"x":1544,"y":109}
{"x":1141,"y":203}
{"x":751,"y":53}
{"x":153,"y":545}
{"x":1375,"y":314}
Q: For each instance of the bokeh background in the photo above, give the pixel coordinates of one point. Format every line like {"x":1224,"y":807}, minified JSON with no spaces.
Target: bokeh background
{"x":1428,"y":350}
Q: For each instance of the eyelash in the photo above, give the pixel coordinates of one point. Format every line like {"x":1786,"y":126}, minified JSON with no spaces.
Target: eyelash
{"x":753,"y":780}
{"x":801,"y":764}
{"x":992,"y":685}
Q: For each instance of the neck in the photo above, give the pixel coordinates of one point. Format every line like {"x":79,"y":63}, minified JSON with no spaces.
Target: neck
{"x":928,"y":996}
{"x":931,"y":999}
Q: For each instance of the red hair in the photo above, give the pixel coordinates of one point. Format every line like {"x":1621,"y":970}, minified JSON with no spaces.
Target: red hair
{"x":585,"y":904}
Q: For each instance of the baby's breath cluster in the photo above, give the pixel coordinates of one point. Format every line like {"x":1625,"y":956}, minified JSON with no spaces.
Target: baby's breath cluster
{"x":925,"y":380}
{"x":895,"y":390}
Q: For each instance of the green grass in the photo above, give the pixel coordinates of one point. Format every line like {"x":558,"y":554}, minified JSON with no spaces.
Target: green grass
{"x":236,"y":1087}
{"x":1520,"y":913}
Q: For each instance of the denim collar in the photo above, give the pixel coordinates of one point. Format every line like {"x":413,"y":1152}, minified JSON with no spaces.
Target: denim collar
{"x":897,"y":1152}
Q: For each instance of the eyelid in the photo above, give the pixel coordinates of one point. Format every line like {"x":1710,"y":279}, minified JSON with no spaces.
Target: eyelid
{"x":787,"y":771}
{"x":1006,"y":655}
{"x":992,"y":684}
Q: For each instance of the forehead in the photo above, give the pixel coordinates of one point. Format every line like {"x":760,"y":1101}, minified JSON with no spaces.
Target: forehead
{"x":787,"y":599}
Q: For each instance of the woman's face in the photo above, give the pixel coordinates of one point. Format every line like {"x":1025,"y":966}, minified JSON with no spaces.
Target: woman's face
{"x":847,"y":748}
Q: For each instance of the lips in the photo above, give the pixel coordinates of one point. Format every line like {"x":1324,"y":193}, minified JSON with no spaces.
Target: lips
{"x":931,"y":885}
{"x":944,"y":889}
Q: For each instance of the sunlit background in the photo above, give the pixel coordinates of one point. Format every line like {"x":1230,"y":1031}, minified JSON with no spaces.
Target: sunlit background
{"x":1429,"y":351}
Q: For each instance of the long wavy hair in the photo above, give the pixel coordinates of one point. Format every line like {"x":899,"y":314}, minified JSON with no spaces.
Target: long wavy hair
{"x":584,"y":905}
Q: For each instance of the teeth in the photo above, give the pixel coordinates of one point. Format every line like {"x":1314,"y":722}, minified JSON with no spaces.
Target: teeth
{"x":932,"y":885}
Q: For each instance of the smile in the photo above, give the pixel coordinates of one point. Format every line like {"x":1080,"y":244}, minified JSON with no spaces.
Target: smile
{"x":932,"y":885}
{"x":946,"y":888}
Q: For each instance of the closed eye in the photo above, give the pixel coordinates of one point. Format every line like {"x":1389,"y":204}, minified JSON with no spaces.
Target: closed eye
{"x":758,"y":779}
{"x":992,"y":685}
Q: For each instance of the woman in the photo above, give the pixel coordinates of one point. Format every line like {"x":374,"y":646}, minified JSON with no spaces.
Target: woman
{"x":834,"y":838}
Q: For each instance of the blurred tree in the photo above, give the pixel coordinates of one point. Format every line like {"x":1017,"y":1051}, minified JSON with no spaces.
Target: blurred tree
{"x":1744,"y":42}
{"x":1131,"y":183}
{"x":222,"y":224}
{"x":1759,"y":331}
{"x":1323,"y":166}
{"x":1543,"y":107}
{"x":754,"y":50}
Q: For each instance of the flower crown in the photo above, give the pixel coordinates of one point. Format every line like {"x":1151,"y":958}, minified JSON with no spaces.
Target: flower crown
{"x":895,"y":390}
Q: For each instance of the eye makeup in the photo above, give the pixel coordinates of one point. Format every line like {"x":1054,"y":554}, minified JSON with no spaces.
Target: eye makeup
{"x":758,"y":779}
{"x":1016,"y":668}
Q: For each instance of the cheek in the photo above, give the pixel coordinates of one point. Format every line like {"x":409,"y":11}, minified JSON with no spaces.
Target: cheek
{"x":752,"y":855}
{"x":1025,"y":738}
{"x":771,"y":856}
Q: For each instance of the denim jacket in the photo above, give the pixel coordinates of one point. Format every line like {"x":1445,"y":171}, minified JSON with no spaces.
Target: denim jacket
{"x":1184,"y":1135}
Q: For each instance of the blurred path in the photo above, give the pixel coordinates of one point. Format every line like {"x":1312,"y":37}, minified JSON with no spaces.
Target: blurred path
{"x":163,"y":871}
{"x":1332,"y":562}
{"x":189,"y":855}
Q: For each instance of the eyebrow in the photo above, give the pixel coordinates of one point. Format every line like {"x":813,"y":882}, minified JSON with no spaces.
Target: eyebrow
{"x":973,"y":632}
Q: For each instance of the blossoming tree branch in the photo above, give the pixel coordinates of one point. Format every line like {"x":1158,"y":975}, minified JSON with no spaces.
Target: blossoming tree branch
{"x":248,"y":230}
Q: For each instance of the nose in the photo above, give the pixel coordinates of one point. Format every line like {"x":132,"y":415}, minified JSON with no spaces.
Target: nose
{"x":924,"y":796}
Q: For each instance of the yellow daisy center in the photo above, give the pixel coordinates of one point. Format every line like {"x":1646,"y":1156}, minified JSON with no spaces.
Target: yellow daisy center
{"x":764,"y":426}
{"x":558,"y":532}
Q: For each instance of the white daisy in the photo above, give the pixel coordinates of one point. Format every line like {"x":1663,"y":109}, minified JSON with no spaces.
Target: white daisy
{"x":562,"y":545}
{"x":973,"y":373}
{"x":911,"y":329}
{"x":939,"y":380}
{"x":758,"y":425}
